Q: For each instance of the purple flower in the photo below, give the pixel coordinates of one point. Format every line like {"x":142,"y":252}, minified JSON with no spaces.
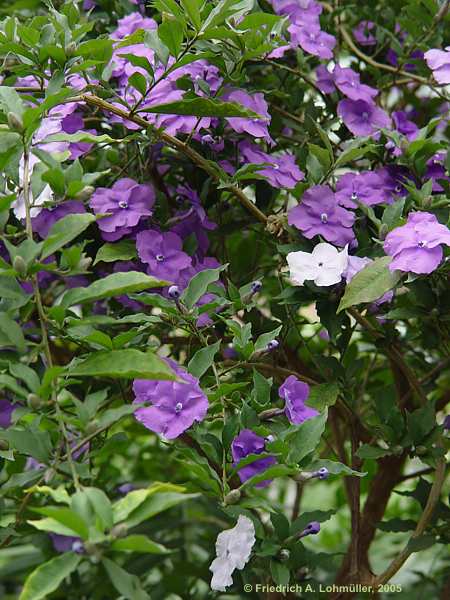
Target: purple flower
{"x":312,"y":39}
{"x":128,"y":202}
{"x":294,"y":393}
{"x":320,"y":214}
{"x":281,"y":172}
{"x":361,"y":117}
{"x":163,"y":254}
{"x":325,"y":80}
{"x":174,"y":405}
{"x":447,"y":422}
{"x":6,"y":410}
{"x":66,"y":543}
{"x":301,"y":11}
{"x":416,"y":246}
{"x":404,"y":125}
{"x":436,"y":170}
{"x":348,"y":82}
{"x":363,"y":33}
{"x":49,"y":216}
{"x":130,"y":24}
{"x":257,"y":126}
{"x":311,"y":529}
{"x":71,"y":124}
{"x":367,"y":188}
{"x":248,"y":442}
{"x":439,"y":62}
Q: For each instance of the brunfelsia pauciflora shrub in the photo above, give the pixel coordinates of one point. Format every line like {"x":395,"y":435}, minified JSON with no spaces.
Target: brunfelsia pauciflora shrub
{"x":224,"y":296}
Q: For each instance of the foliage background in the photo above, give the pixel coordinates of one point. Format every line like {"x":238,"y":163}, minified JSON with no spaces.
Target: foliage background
{"x":383,"y":420}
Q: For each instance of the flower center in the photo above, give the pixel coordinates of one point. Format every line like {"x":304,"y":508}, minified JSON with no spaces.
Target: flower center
{"x":123,"y":204}
{"x":320,"y":264}
{"x":324,"y":218}
{"x":354,"y":196}
{"x":398,"y":189}
{"x":178,"y":407}
{"x":365,"y":115}
{"x":422,"y":244}
{"x":160,"y":257}
{"x":275,"y":166}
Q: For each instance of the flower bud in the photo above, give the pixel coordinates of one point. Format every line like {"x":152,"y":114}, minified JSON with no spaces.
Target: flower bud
{"x":119,"y":531}
{"x":85,"y":263}
{"x":256,"y":286}
{"x":322,"y":473}
{"x":311,"y":529}
{"x":85,"y":193}
{"x":20,"y":266}
{"x":174,"y":292}
{"x":70,"y":48}
{"x":4,"y":445}
{"x":232,"y":497}
{"x":34,"y":402}
{"x":384,"y":229}
{"x":272,"y":345}
{"x":15,"y":122}
{"x":421,"y":450}
{"x":283,"y":555}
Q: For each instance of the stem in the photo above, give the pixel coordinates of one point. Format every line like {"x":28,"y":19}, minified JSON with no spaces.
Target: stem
{"x":42,"y":316}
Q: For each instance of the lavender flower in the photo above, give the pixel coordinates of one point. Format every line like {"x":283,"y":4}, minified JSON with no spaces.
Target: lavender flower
{"x":173,"y":405}
{"x":363,"y":33}
{"x":417,"y":246}
{"x":366,"y":188}
{"x":256,"y":127}
{"x":294,"y":393}
{"x":325,"y":80}
{"x":320,"y":214}
{"x":128,"y":202}
{"x":6,"y":410}
{"x":312,"y":39}
{"x":436,"y":170}
{"x":439,"y":62}
{"x":348,"y":82}
{"x":163,"y":254}
{"x":49,"y":216}
{"x":281,"y":170}
{"x":247,"y":442}
{"x":361,"y":117}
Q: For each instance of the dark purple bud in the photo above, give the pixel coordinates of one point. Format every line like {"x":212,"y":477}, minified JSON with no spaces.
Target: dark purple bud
{"x":256,"y":286}
{"x":311,"y":529}
{"x":272,"y":345}
{"x":322,"y":473}
{"x":447,"y":422}
{"x":174,"y":292}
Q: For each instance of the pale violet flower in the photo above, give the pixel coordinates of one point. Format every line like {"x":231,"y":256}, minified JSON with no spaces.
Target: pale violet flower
{"x":324,"y":265}
{"x":233,"y":549}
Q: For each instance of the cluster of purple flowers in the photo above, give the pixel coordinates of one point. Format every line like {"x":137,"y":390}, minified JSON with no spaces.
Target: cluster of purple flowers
{"x":170,"y":407}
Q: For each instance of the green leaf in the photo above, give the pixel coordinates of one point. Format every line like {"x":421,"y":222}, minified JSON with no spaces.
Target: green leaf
{"x":202,"y":107}
{"x":265,"y":338}
{"x":115,"y":284}
{"x":31,"y":442}
{"x":367,"y":451}
{"x":64,"y":231}
{"x":67,"y":517}
{"x":48,"y":577}
{"x":123,"y":250}
{"x":10,"y":330}
{"x":10,"y":101}
{"x":203,"y":359}
{"x":126,"y":584}
{"x":280,"y":572}
{"x":322,"y":396}
{"x":192,"y":9}
{"x":316,"y":515}
{"x":370,"y":283}
{"x":138,"y":81}
{"x":171,"y":34}
{"x":199,"y":284}
{"x":335,"y":468}
{"x":127,"y":364}
{"x":11,"y":290}
{"x":138,"y":543}
{"x":307,"y":438}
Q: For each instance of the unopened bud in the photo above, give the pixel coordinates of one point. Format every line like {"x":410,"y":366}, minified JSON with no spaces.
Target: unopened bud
{"x":20,"y":266}
{"x":311,"y":529}
{"x":174,"y":292}
{"x":91,"y":427}
{"x":256,"y":286}
{"x":284,"y":555}
{"x":119,"y":531}
{"x":272,"y":345}
{"x":383,"y":231}
{"x":85,"y":193}
{"x":232,"y":497}
{"x":70,"y":48}
{"x":421,"y":450}
{"x":4,"y":445}
{"x":85,"y":263}
{"x":34,"y":402}
{"x":15,"y":122}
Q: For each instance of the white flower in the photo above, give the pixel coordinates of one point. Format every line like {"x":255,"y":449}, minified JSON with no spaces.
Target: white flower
{"x":233,"y":549}
{"x":325,"y":265}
